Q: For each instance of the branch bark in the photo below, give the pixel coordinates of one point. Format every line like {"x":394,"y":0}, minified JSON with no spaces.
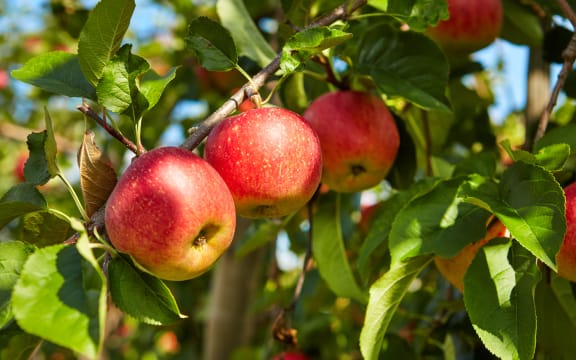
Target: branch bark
{"x":197,"y":134}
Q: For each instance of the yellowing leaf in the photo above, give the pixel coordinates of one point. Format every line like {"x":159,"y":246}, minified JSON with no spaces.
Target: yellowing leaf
{"x":97,"y":177}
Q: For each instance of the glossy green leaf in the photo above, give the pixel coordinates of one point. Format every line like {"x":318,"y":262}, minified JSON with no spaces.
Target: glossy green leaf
{"x":11,"y":210}
{"x":330,"y":254}
{"x":249,"y":40}
{"x":406,"y":64}
{"x":13,"y":254}
{"x":418,"y":14}
{"x":499,"y":289}
{"x":141,"y":295}
{"x":385,"y":296}
{"x":438,"y":222}
{"x":153,"y":85}
{"x":50,"y":301}
{"x":530,"y":203}
{"x":556,"y":310}
{"x":36,"y":169}
{"x":559,"y":135}
{"x":102,"y":35}
{"x":552,"y":157}
{"x":212,"y":44}
{"x":118,"y":88}
{"x":57,"y":72}
{"x":303,"y":45}
{"x":382,"y":222}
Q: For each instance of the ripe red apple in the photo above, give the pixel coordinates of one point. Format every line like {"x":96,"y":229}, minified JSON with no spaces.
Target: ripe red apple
{"x":359,"y":139}
{"x":566,"y":257}
{"x":4,"y":79}
{"x":269,"y":157}
{"x":454,"y":268}
{"x":473,"y":25}
{"x":172,"y":213}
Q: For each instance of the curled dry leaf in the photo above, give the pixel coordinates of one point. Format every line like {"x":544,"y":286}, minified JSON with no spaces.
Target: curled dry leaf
{"x":97,"y":177}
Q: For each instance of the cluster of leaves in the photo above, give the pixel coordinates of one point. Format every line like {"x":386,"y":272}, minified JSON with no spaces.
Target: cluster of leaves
{"x":54,"y":285}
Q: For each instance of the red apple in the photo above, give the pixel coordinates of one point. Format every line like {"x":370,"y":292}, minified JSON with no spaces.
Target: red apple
{"x":290,"y":355}
{"x":566,"y":257}
{"x":172,"y":213}
{"x":4,"y":79}
{"x":19,"y":167}
{"x":359,"y":139}
{"x":269,"y":157}
{"x":473,"y":25}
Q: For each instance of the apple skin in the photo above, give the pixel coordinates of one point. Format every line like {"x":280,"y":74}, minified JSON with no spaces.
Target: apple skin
{"x":359,"y":139}
{"x":566,"y":257}
{"x":269,"y":157}
{"x":454,"y":268}
{"x":172,"y":213}
{"x":473,"y":25}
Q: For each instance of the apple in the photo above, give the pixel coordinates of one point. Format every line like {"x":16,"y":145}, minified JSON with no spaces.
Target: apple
{"x":269,"y":157}
{"x":172,"y":213}
{"x":473,"y":25}
{"x":566,"y":257}
{"x":19,"y":166}
{"x":454,"y":268}
{"x":359,"y":139}
{"x":4,"y":79}
{"x":290,"y":355}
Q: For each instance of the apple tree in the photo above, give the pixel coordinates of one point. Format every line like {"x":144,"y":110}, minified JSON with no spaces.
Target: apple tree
{"x":399,"y":217}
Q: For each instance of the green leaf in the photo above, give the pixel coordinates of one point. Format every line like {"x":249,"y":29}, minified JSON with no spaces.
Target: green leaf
{"x":212,"y":44}
{"x":13,"y":254}
{"x":330,"y":254}
{"x":24,"y":193}
{"x":551,"y":157}
{"x":417,"y":14}
{"x":499,"y":289}
{"x":521,"y":24}
{"x":385,"y":295}
{"x":44,"y":228}
{"x":303,"y":45}
{"x":483,"y":164}
{"x":235,"y":17}
{"x":559,"y":135}
{"x":15,"y":344}
{"x":530,"y":203}
{"x":141,"y":295}
{"x":36,"y":169}
{"x":57,"y":72}
{"x":153,"y":85}
{"x":407,"y":64}
{"x":383,"y":219}
{"x":102,"y":35}
{"x":118,"y":89}
{"x":49,"y":300}
{"x":556,"y":314}
{"x":11,"y":210}
{"x":438,"y":222}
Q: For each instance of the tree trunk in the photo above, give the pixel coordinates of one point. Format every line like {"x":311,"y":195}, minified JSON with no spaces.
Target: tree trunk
{"x":229,"y":323}
{"x":538,"y":93}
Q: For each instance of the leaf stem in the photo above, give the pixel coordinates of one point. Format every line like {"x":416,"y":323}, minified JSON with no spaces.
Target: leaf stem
{"x":75,"y":197}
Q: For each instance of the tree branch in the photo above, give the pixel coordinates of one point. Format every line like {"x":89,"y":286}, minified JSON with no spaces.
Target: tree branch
{"x":197,"y":134}
{"x":569,"y":55}
{"x":87,"y":110}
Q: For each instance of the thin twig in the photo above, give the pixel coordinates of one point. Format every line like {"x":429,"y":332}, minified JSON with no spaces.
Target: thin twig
{"x":87,"y":110}
{"x":198,"y":133}
{"x":569,"y":55}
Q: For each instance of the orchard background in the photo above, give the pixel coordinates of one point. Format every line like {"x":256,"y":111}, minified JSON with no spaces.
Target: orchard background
{"x":339,"y":279}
